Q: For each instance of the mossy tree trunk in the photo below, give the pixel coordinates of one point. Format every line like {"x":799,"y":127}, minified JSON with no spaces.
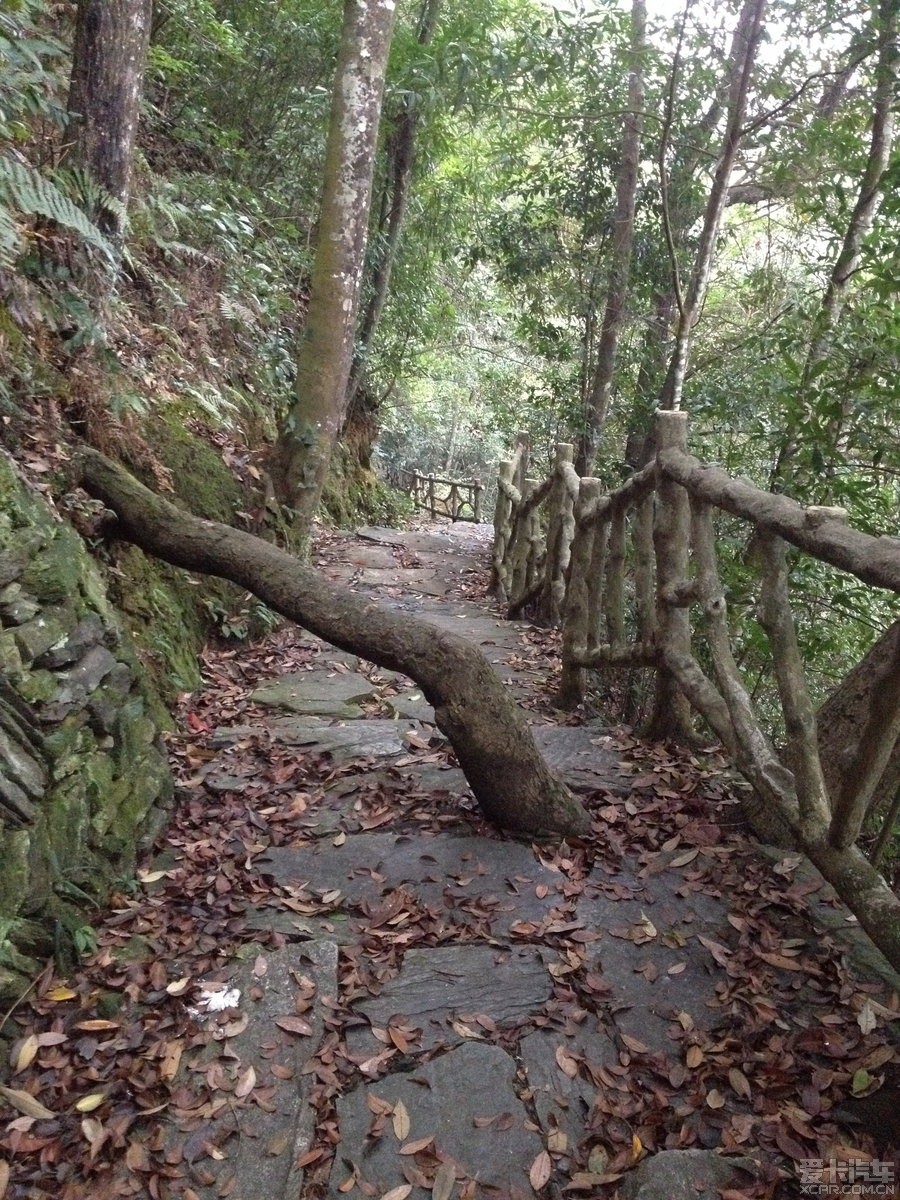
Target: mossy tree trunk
{"x":307,"y":436}
{"x":108,"y":59}
{"x":473,"y":707}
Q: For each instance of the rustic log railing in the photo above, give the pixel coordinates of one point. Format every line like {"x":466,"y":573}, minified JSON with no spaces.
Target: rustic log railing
{"x":621,"y":573}
{"x":460,"y":500}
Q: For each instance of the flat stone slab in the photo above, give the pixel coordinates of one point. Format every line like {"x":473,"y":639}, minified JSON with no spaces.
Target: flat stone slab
{"x":437,"y":985}
{"x":268,"y":1137}
{"x":451,"y":1100}
{"x":370,"y":738}
{"x":411,"y":579}
{"x":686,"y":1175}
{"x":577,"y":754}
{"x":561,"y":1101}
{"x":411,"y":705}
{"x":650,"y":955}
{"x":315,"y":692}
{"x":466,"y":880}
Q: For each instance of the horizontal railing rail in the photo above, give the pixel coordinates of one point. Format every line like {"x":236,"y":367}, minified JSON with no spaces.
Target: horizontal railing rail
{"x":632,"y":579}
{"x":460,"y":500}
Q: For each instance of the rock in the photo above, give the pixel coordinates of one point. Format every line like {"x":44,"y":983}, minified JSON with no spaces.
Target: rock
{"x":41,"y":632}
{"x":560,"y":1101}
{"x":443,"y":1099}
{"x":465,"y":880}
{"x":271,"y":1136}
{"x":412,"y":705}
{"x":316,"y":693}
{"x":20,"y":767}
{"x":686,"y":1175}
{"x":359,"y":739}
{"x":16,"y":607}
{"x":438,"y":985}
{"x":89,"y":631}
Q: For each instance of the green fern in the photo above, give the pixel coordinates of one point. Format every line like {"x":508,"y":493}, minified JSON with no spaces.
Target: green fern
{"x":24,"y":191}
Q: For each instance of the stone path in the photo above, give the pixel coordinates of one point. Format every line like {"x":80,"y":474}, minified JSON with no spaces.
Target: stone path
{"x":473,"y":1056}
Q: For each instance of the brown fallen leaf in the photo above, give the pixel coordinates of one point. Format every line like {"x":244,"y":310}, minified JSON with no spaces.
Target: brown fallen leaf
{"x":694,"y":1056}
{"x":740,"y":1083}
{"x":444,"y":1180}
{"x":26,"y":1103}
{"x":398,"y":1193}
{"x":566,"y":1062}
{"x":4,"y":1177}
{"x":541,"y":1170}
{"x":416,"y":1146}
{"x":246,"y":1083}
{"x":400,"y":1121}
{"x":26,"y":1054}
{"x":715,"y":1099}
{"x":292,"y":1024}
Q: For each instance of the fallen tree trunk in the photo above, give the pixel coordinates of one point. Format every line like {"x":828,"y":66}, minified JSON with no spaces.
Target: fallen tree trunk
{"x":511,"y":782}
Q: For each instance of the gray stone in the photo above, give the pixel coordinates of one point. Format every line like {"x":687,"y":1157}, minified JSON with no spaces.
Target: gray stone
{"x":464,"y":880}
{"x":269,"y":1139}
{"x":316,"y":693}
{"x":560,"y":1101}
{"x":345,"y":743}
{"x":645,"y":996}
{"x":440,"y":984}
{"x":686,"y":1175}
{"x":21,"y":768}
{"x":16,"y":607}
{"x":443,"y":1098}
{"x":12,"y":563}
{"x":412,"y":705}
{"x":424,"y":583}
{"x":89,"y":631}
{"x":578,"y":754}
{"x":40,"y":633}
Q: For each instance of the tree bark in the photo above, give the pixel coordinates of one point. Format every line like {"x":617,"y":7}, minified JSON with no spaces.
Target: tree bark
{"x":867,"y":699}
{"x":620,"y":251}
{"x":306,"y":439}
{"x":108,"y":59}
{"x":747,"y":37}
{"x":494,"y":746}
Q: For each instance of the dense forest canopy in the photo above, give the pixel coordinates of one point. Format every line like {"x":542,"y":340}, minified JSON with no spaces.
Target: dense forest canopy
{"x":760,"y":243}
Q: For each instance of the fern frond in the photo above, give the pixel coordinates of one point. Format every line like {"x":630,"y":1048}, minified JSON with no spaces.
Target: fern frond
{"x":25,"y":190}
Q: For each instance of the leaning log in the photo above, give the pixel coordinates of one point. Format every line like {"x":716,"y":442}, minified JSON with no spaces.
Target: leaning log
{"x":473,"y":708}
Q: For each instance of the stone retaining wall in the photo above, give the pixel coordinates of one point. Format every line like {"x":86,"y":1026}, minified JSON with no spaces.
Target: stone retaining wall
{"x":82,"y":775}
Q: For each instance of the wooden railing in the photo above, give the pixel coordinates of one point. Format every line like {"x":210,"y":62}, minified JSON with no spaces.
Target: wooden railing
{"x":457,"y":499}
{"x":621,"y":573}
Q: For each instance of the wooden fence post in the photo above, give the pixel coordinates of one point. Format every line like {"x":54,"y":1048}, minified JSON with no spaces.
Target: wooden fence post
{"x":671,"y":542}
{"x":576,"y":612}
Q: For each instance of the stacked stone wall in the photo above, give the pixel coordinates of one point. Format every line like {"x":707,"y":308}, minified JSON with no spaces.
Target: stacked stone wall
{"x":82,"y":774}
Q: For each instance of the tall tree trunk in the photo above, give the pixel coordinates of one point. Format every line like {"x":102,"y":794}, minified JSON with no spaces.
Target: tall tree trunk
{"x":670,"y":715}
{"x":401,"y":154}
{"x":306,"y":439}
{"x":108,"y":59}
{"x":746,"y":41}
{"x":868,"y":198}
{"x":473,"y":706}
{"x":863,"y":705}
{"x":620,"y":254}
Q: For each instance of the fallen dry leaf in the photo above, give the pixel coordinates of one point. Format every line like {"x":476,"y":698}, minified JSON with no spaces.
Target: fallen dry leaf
{"x":541,"y":1170}
{"x":26,"y":1103}
{"x":416,"y":1146}
{"x":400,"y":1121}
{"x":444,"y":1181}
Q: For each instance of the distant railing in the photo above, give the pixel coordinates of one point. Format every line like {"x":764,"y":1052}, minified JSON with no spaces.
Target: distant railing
{"x":454,"y":498}
{"x":621,"y":573}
